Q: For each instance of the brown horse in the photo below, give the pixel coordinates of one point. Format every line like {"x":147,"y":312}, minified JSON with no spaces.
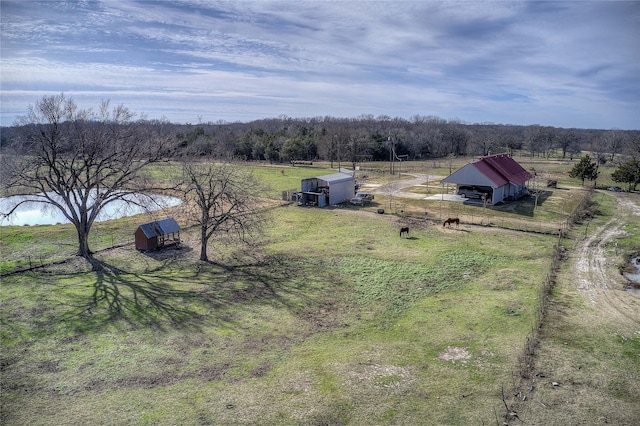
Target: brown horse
{"x":450,"y":221}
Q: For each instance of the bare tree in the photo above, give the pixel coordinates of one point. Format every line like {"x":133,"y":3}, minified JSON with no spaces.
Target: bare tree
{"x":356,"y":147}
{"x":613,"y":141}
{"x":598,"y":147}
{"x":632,"y":145}
{"x":566,"y":140}
{"x":221,"y":198}
{"x":456,"y":138}
{"x":80,"y":161}
{"x":532,"y":138}
{"x":547,"y":140}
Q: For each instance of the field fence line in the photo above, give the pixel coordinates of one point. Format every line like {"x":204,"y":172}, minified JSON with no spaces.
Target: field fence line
{"x":32,"y":261}
{"x":526,"y":359}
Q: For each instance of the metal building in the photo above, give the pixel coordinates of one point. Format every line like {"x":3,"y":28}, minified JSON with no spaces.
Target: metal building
{"x":326,"y":190}
{"x":501,"y":176}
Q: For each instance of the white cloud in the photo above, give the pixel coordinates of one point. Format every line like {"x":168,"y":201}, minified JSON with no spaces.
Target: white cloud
{"x":509,"y":62}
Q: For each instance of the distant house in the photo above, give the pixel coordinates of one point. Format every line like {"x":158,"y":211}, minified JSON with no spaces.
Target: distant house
{"x":499,"y":176}
{"x":155,"y":235}
{"x":326,"y":190}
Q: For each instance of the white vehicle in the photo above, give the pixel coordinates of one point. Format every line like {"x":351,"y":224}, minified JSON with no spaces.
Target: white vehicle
{"x":362,"y":198}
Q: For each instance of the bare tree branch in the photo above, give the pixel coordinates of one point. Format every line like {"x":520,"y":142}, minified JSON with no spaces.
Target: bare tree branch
{"x":225,"y":200}
{"x":79,"y":161}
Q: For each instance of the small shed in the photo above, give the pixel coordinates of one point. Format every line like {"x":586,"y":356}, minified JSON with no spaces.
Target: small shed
{"x":326,"y":190}
{"x":158,"y":234}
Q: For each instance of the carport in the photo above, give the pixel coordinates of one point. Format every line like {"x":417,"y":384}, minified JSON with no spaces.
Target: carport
{"x":499,"y":175}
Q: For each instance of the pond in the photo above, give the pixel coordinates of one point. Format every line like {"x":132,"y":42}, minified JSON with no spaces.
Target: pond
{"x":37,"y":213}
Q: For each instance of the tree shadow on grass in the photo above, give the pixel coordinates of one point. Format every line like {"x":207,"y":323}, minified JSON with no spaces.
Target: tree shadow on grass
{"x":136,"y":298}
{"x":186,"y":298}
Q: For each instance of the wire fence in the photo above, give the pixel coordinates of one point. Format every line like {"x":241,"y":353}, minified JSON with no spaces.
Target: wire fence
{"x":525,"y":363}
{"x":44,"y":251}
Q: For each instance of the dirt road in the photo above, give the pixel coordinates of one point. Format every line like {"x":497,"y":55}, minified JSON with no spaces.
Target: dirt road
{"x":596,"y":273}
{"x":396,"y":188}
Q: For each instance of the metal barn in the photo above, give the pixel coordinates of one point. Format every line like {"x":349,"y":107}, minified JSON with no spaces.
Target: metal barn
{"x":504,"y":178}
{"x":158,"y":234}
{"x":326,"y":190}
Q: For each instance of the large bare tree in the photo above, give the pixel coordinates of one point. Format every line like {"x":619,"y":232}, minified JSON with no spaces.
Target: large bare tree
{"x":80,"y":160}
{"x":221,"y":198}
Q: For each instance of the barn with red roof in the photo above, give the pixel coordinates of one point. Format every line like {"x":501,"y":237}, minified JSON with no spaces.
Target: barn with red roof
{"x":498,"y":176}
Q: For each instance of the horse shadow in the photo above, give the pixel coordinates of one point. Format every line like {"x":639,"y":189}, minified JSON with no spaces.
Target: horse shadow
{"x":460,"y":229}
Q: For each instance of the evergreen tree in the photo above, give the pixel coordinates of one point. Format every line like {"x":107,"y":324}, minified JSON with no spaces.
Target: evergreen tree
{"x":628,"y":173}
{"x":587,"y":168}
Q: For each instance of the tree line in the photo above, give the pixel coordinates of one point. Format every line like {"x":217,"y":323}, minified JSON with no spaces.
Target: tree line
{"x":380,"y":138}
{"x":369,"y":138}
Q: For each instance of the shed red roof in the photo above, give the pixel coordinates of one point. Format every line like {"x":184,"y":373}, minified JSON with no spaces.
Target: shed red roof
{"x":502,"y":169}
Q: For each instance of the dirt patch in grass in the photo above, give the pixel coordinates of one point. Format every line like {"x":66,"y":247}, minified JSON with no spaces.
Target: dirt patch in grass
{"x":328,"y":315}
{"x":386,"y":377}
{"x":261,"y":370}
{"x":454,"y":353}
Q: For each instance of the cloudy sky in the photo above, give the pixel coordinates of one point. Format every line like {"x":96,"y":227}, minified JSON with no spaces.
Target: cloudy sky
{"x":565,"y":64}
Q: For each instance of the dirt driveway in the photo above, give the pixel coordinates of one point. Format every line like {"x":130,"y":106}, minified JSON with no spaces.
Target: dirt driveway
{"x":597,"y":275}
{"x":396,"y":188}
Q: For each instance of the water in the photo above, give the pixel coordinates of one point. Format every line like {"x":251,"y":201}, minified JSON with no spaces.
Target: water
{"x":37,"y":213}
{"x":634,"y":277}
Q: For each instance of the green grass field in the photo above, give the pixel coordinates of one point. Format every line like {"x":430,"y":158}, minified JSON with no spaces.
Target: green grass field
{"x":328,"y":318}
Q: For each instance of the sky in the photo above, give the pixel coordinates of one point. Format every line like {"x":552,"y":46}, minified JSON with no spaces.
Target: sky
{"x":563,"y":64}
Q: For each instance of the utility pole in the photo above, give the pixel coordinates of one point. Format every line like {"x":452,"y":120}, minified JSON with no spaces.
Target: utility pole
{"x":391,"y":154}
{"x":333,"y":149}
{"x":339,"y":169}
